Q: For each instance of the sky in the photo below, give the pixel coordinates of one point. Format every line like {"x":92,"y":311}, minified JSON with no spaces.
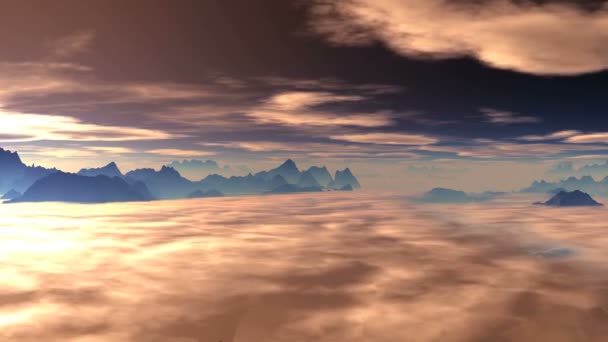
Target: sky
{"x":472,"y":94}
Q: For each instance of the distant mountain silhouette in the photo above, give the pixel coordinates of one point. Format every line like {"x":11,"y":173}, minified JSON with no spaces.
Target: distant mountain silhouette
{"x":269,"y":181}
{"x":205,"y":194}
{"x":570,"y":199}
{"x":277,"y":181}
{"x":556,"y":191}
{"x":68,"y":187}
{"x":110,"y":170}
{"x":443,"y":195}
{"x":288,"y":170}
{"x":291,"y":188}
{"x":240,"y":185}
{"x":198,"y":169}
{"x":585,"y":183}
{"x":321,"y":174}
{"x":347,"y":187}
{"x":594,"y":168}
{"x":307,"y":180}
{"x":164,"y":184}
{"x":344,"y":178}
{"x":12,"y":194}
{"x":15,"y":175}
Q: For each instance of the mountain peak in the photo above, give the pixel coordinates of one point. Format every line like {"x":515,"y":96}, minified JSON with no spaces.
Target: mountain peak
{"x":321,"y":174}
{"x":110,"y":170}
{"x":8,"y":158}
{"x":169,"y":170}
{"x":571,"y":199}
{"x":307,"y":179}
{"x":288,"y":164}
{"x":343,"y":178}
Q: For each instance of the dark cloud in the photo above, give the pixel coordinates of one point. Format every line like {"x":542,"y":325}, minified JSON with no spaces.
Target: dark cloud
{"x":243,"y":81}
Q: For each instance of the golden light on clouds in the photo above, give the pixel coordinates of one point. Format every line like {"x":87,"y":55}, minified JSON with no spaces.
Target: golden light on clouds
{"x":551,"y":39}
{"x":180,"y":152}
{"x":552,"y":136}
{"x":387,"y":138}
{"x":599,"y":137}
{"x":298,"y":109}
{"x":343,"y":267}
{"x":36,"y":127}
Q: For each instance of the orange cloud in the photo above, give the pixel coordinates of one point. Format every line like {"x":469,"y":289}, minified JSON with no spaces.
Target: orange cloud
{"x":545,"y":39}
{"x":180,"y":153}
{"x":296,"y":109}
{"x":387,"y":138}
{"x":589,"y":138}
{"x":35,"y":127}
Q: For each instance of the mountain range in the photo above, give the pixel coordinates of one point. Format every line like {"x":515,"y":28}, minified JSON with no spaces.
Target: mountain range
{"x":15,"y":175}
{"x":585,"y":183}
{"x":69,"y":187}
{"x":109,"y":184}
{"x":443,"y":195}
{"x":197,"y":169}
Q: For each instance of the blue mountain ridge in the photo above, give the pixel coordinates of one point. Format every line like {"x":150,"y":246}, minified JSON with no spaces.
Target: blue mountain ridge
{"x":96,"y":185}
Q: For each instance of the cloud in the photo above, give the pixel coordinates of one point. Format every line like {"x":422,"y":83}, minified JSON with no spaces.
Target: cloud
{"x":70,"y":45}
{"x":298,"y":109}
{"x":601,"y":137}
{"x":564,"y":167}
{"x":297,"y":100}
{"x":494,"y":149}
{"x":334,"y":149}
{"x":36,"y":127}
{"x":507,"y":118}
{"x":553,"y":136}
{"x":525,"y":36}
{"x":71,"y":151}
{"x":364,"y":155}
{"x":386,"y":138}
{"x":180,"y":153}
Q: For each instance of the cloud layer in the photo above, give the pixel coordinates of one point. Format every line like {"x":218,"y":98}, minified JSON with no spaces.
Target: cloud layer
{"x":543,"y":39}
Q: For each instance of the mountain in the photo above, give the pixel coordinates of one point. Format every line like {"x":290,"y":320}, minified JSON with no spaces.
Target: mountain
{"x":594,"y":168}
{"x":277,"y":178}
{"x":288,"y":170}
{"x":203,"y":194}
{"x":307,"y":180}
{"x":12,"y":194}
{"x":277,"y":181}
{"x":164,"y":184}
{"x":198,"y":169}
{"x":443,"y":195}
{"x":570,"y":199}
{"x":68,"y":187}
{"x":555,"y":191}
{"x":321,"y":174}
{"x":344,"y":178}
{"x":291,"y":189}
{"x":585,"y":183}
{"x":238,"y":185}
{"x":15,"y":175}
{"x":10,"y":161}
{"x":110,"y":170}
